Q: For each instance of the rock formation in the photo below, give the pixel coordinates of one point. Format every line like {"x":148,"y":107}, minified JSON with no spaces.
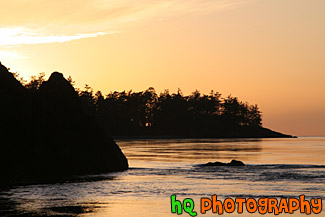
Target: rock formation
{"x":47,"y":133}
{"x":217,"y":163}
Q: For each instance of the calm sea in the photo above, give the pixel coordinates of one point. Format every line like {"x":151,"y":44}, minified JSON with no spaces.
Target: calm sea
{"x":159,"y":168}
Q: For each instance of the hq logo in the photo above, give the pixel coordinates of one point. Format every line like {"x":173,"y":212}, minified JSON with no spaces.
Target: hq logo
{"x":187,"y":206}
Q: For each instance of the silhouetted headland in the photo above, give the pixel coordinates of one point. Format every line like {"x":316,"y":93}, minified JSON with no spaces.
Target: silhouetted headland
{"x":46,"y":133}
{"x":146,"y":114}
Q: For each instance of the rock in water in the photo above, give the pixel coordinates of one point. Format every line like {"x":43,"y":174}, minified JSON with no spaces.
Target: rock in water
{"x":217,"y":163}
{"x":47,"y":133}
{"x":236,"y":163}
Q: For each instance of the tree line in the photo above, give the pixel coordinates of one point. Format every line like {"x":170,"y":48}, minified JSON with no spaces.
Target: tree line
{"x":130,"y":113}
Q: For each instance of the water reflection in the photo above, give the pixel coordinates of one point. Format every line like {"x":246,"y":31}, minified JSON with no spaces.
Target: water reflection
{"x":63,"y":196}
{"x":14,"y":208}
{"x":202,"y":150}
{"x":160,"y":168}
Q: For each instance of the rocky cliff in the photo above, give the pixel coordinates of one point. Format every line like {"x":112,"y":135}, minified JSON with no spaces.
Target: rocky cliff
{"x":46,"y":133}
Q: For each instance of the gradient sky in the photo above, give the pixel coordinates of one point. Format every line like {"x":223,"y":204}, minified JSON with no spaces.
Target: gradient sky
{"x":266,"y":52}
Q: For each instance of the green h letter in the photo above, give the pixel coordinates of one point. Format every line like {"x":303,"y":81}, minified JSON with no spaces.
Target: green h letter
{"x":176,"y":203}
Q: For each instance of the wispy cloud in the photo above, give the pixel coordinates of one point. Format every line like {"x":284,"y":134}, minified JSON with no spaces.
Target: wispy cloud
{"x":21,"y":36}
{"x":46,"y":21}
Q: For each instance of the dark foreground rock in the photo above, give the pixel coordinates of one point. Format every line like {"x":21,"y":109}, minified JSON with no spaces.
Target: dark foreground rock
{"x":217,"y":163}
{"x":46,"y":133}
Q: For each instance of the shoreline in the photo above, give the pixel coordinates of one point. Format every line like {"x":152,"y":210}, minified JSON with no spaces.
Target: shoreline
{"x":188,"y":137}
{"x":150,"y":137}
{"x":239,"y":133}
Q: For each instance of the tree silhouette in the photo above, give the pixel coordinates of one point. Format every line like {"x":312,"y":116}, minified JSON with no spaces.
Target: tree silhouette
{"x":35,"y":82}
{"x":129,"y":113}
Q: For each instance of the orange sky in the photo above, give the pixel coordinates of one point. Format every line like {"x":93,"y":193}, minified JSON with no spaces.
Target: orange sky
{"x":270,"y":53}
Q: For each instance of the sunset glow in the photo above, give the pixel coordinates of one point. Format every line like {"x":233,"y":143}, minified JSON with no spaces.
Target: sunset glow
{"x":269,"y":53}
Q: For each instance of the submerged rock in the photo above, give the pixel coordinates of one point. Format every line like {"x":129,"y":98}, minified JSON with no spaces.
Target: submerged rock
{"x":217,"y":163}
{"x":47,"y":133}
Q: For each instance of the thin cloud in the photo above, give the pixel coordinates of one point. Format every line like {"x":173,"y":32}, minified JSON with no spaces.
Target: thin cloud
{"x":21,"y":36}
{"x":46,"y":21}
{"x":107,"y":14}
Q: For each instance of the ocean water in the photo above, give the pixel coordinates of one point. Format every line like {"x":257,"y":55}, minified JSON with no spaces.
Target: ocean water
{"x":160,"y":168}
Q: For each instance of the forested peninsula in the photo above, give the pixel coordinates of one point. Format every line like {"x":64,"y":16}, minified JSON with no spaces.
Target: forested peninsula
{"x":147,"y":114}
